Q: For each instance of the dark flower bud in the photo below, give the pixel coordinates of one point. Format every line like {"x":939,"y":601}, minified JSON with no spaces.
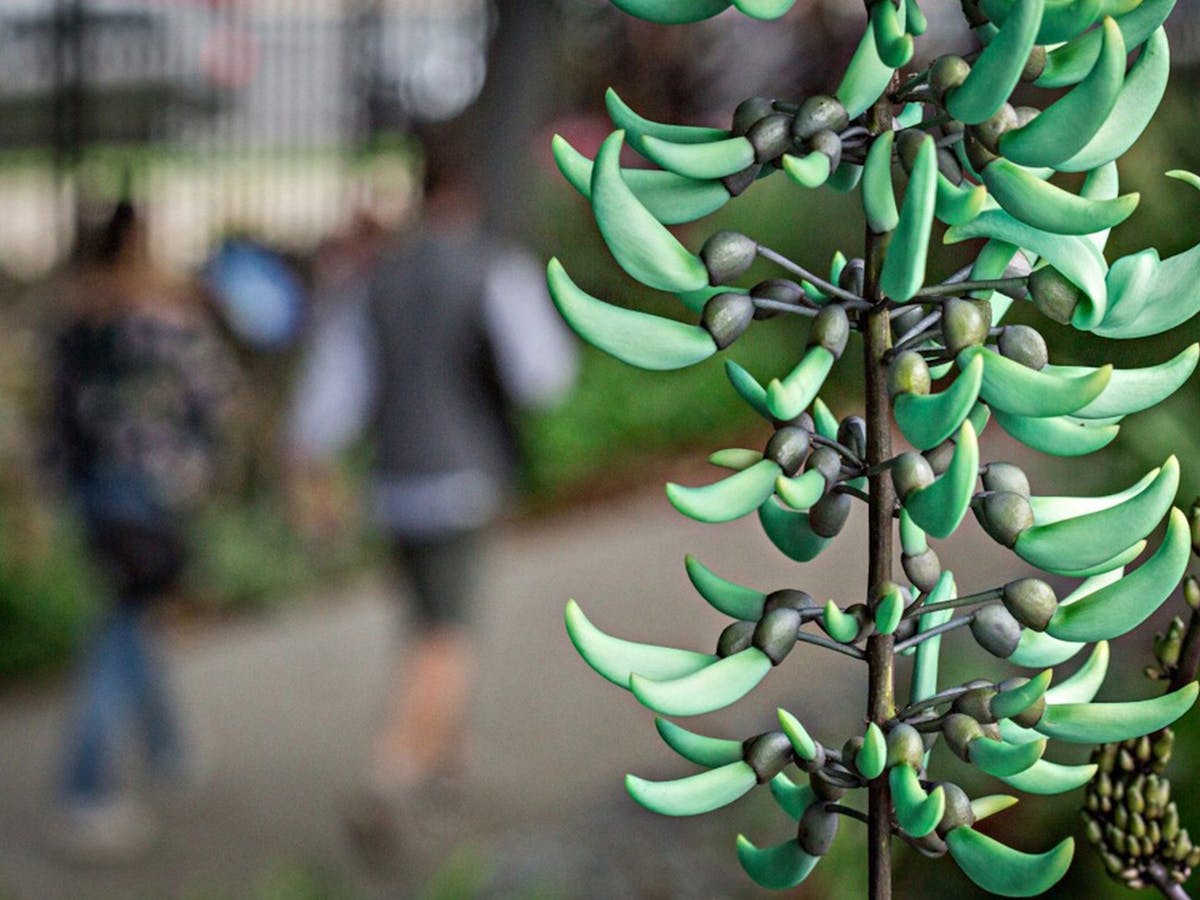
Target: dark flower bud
{"x":977,"y":155}
{"x":908,"y":144}
{"x":989,"y":131}
{"x":911,"y":472}
{"x":771,"y":137}
{"x":996,"y":631}
{"x":905,"y":747}
{"x":960,"y":730}
{"x":819,"y":113}
{"x":788,"y":447}
{"x":738,"y":183}
{"x":852,"y":434}
{"x":922,"y":569}
{"x":825,"y":787}
{"x":789,"y":598}
{"x":1054,"y":294}
{"x":939,"y":457}
{"x":1032,"y":714}
{"x":976,"y":703}
{"x":830,"y":144}
{"x":958,"y":809}
{"x":777,"y":290}
{"x":750,"y":111}
{"x":1004,"y":515}
{"x":727,"y":255}
{"x":736,"y":638}
{"x":1031,"y":601}
{"x":828,"y":515}
{"x":828,"y":462}
{"x":767,"y":754}
{"x":775,"y":634}
{"x":949,"y":166}
{"x":726,"y":317}
{"x":1003,"y":476}
{"x":1025,"y":345}
{"x":964,"y":324}
{"x":852,"y":275}
{"x":831,"y":330}
{"x":817,"y":830}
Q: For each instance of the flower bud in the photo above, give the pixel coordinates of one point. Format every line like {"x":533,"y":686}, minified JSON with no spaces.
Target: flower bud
{"x":767,"y":754}
{"x":922,"y":569}
{"x":817,"y":830}
{"x":964,"y":324}
{"x":958,"y":809}
{"x":1003,"y":476}
{"x":735,"y":638}
{"x":831,"y":330}
{"x":1026,"y":114}
{"x":947,"y":73}
{"x":905,"y":747}
{"x":788,"y":447}
{"x":789,"y":598}
{"x":1054,"y":294}
{"x":775,"y":634}
{"x":908,"y":144}
{"x":989,"y":131}
{"x":1004,"y":515}
{"x":819,"y":113}
{"x":996,"y":631}
{"x":1031,"y":601}
{"x":908,"y":373}
{"x":828,"y":515}
{"x":852,"y":434}
{"x":960,"y":730}
{"x":726,"y":317}
{"x":852,"y":275}
{"x":738,"y":183}
{"x":940,"y":457}
{"x":976,"y":703}
{"x":830,"y":144}
{"x":828,"y":462}
{"x":727,"y":255}
{"x":1025,"y":345}
{"x":911,"y":472}
{"x":825,"y":788}
{"x":750,"y":111}
{"x":1035,"y":65}
{"x":771,"y":137}
{"x":778,"y":290}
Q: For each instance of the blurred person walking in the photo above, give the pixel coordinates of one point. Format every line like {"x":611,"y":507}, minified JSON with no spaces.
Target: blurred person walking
{"x":138,"y":376}
{"x":430,"y":351}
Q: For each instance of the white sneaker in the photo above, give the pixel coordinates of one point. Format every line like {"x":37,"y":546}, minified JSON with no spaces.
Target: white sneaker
{"x":106,"y":832}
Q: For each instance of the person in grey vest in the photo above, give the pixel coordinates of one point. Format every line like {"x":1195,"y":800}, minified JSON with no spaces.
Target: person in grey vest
{"x":428,"y":353}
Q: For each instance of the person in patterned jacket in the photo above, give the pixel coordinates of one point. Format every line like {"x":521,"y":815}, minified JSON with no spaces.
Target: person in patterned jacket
{"x":138,"y":376}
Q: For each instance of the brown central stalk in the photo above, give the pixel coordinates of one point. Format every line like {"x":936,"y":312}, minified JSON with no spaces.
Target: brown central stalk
{"x":877,"y":338}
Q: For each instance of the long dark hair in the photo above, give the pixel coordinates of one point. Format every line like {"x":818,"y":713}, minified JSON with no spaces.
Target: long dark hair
{"x":114,"y":237}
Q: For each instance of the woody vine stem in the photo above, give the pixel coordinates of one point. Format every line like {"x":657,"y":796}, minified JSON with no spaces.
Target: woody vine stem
{"x":880,"y":657}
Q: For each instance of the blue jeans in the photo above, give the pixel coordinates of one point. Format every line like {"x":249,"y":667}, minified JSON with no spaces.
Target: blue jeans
{"x":122,"y":681}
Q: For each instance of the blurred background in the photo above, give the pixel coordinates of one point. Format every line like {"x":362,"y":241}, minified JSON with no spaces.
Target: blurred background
{"x":262,"y":132}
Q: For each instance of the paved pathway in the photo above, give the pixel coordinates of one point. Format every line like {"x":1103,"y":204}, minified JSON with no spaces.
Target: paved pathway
{"x":286,"y":701}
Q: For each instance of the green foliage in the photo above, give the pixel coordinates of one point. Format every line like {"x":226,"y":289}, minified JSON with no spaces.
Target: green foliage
{"x":985,"y":169}
{"x":46,"y":602}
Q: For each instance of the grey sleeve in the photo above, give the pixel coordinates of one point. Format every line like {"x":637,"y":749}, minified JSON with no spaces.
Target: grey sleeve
{"x":335,"y":389}
{"x":536,"y":355}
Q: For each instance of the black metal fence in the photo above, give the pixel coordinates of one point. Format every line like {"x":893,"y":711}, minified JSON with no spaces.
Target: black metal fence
{"x":264,"y":115}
